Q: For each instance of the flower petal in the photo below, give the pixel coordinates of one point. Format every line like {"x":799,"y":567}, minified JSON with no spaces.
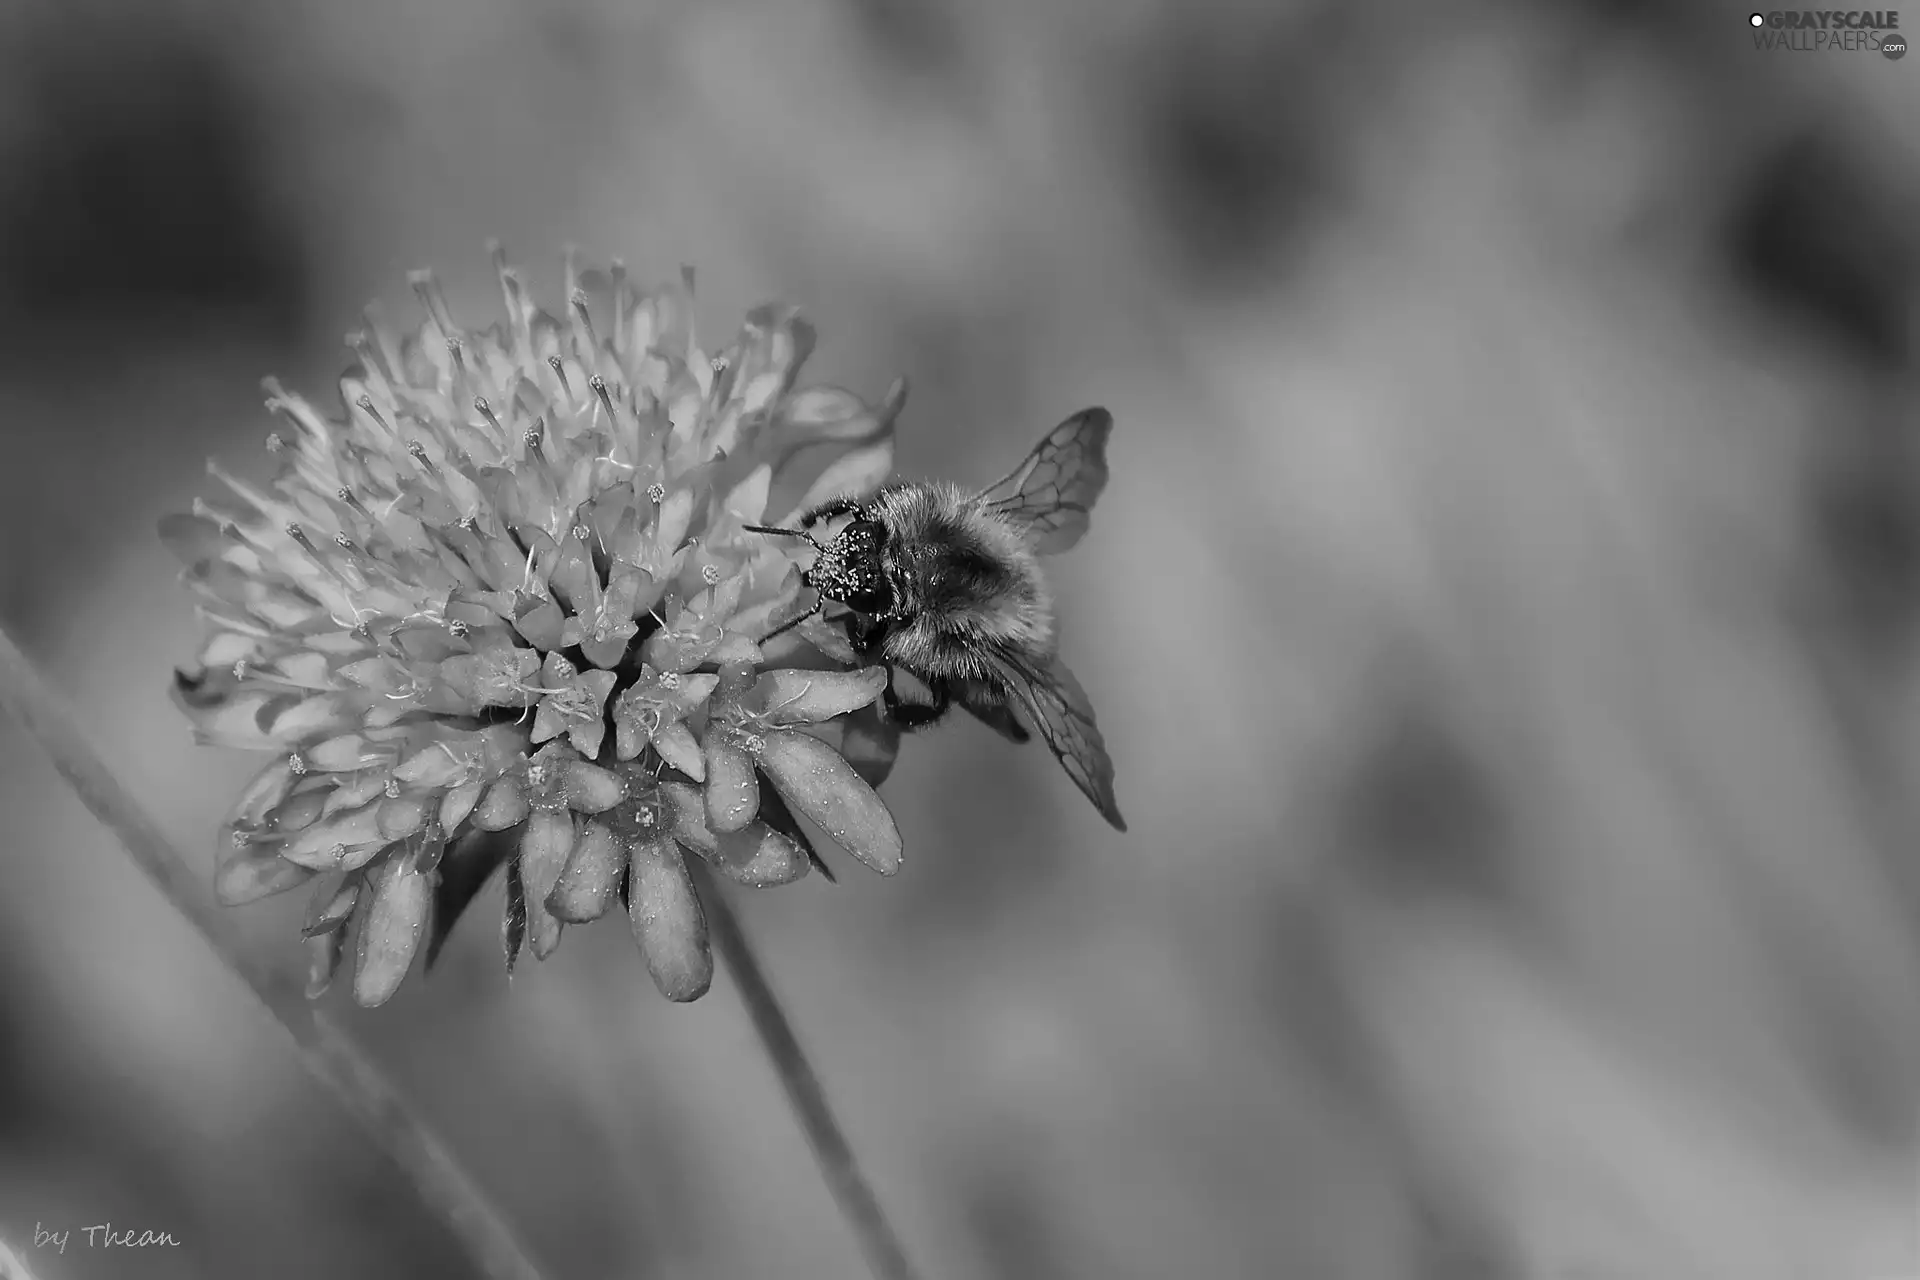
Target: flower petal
{"x":327,"y":844}
{"x":300,"y":810}
{"x":504,"y":806}
{"x":541,"y":623}
{"x":676,"y":745}
{"x":333,"y":904}
{"x":229,"y":722}
{"x":733,"y":790}
{"x":544,"y":850}
{"x":342,"y":754}
{"x":324,"y":953}
{"x":855,"y":474}
{"x":401,"y":816}
{"x":310,"y":718}
{"x":390,"y":935}
{"x":811,"y":697}
{"x":591,"y":880}
{"x":607,"y":651}
{"x":436,"y":766}
{"x":813,"y":414}
{"x":458,"y":803}
{"x":587,"y":735}
{"x":774,"y":812}
{"x":871,"y":744}
{"x":192,"y":538}
{"x":830,"y":639}
{"x":550,"y":721}
{"x":496,"y":678}
{"x":263,"y":794}
{"x":735,"y":647}
{"x":591,"y":789}
{"x":813,"y":778}
{"x":748,"y":500}
{"x":759,"y":857}
{"x":668,"y":922}
{"x":470,"y":861}
{"x":254,"y":873}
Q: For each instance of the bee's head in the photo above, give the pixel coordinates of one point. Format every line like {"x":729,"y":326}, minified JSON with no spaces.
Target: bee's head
{"x":849,"y":568}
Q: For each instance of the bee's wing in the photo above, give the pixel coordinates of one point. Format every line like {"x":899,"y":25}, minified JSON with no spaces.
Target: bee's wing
{"x":1059,"y":709}
{"x":1052,"y":491}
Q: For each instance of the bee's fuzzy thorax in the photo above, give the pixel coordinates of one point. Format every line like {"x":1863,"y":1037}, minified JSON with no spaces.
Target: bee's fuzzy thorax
{"x":945,"y":586}
{"x":961,"y":573}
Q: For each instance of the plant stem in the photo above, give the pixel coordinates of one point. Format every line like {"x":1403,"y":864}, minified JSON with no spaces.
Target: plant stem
{"x":322,"y":1047}
{"x":886,"y":1258}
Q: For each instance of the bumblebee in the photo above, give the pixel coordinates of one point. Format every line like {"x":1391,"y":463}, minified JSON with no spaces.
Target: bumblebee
{"x":946,"y":586}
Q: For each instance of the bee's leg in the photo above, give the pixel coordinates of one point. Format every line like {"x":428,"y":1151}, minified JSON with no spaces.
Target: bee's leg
{"x":865,"y":633}
{"x":917,"y":715}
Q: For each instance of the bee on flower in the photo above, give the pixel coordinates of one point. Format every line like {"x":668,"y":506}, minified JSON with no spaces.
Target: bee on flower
{"x":501,"y":616}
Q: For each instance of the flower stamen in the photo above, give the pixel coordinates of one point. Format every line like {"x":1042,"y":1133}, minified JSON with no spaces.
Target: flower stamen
{"x":299,"y":535}
{"x":350,"y":499}
{"x":485,"y":410}
{"x":579,"y":301}
{"x":559,"y":368}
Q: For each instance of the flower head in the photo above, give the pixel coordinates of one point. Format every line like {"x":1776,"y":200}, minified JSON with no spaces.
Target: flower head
{"x":502,"y":612}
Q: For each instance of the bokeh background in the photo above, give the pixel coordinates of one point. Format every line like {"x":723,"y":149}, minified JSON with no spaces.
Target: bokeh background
{"x":1503,"y":615}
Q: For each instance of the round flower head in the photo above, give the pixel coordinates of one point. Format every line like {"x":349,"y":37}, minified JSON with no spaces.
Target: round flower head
{"x":502,"y":613}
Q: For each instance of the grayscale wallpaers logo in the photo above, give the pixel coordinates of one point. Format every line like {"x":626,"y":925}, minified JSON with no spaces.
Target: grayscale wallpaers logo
{"x":1829,"y":31}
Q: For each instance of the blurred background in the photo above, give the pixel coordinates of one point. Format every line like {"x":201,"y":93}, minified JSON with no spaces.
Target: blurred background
{"x":1503,"y":615}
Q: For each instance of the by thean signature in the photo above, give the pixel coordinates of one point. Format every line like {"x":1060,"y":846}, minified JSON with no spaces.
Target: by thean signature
{"x":101,"y":1235}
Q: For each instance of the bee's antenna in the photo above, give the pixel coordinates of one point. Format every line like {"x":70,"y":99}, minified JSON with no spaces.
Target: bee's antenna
{"x":790,"y":533}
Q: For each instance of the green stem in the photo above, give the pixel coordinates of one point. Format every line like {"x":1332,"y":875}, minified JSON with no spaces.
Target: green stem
{"x":322,"y":1047}
{"x":886,"y":1258}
